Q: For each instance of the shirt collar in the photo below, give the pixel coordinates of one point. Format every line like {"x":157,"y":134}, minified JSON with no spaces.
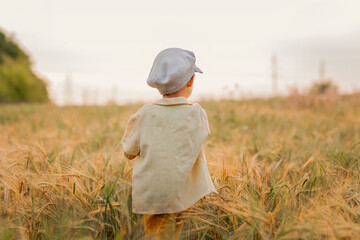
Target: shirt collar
{"x":172,"y":101}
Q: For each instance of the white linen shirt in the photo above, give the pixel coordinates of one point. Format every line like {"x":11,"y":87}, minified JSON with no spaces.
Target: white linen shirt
{"x":170,"y":173}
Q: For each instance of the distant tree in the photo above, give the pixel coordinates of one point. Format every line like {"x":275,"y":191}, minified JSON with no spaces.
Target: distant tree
{"x":8,"y":47}
{"x":323,"y":87}
{"x":323,"y":91}
{"x":18,"y":83}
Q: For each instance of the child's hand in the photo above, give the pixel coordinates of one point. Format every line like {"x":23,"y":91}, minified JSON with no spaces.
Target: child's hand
{"x":128,"y":156}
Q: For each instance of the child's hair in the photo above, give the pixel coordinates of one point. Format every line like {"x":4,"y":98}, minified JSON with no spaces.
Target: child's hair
{"x":169,"y":94}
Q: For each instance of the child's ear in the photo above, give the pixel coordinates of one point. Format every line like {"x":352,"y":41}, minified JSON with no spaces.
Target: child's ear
{"x":191,"y":81}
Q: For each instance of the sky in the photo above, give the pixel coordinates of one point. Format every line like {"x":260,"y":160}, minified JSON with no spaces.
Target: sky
{"x":103,"y":50}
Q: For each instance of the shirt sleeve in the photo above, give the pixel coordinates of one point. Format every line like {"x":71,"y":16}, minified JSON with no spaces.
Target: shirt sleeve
{"x":205,"y":119}
{"x":131,"y":138}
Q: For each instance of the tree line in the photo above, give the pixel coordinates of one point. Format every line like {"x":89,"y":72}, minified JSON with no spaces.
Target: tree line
{"x":18,"y":83}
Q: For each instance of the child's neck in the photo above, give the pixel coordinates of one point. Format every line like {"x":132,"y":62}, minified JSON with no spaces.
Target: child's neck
{"x":175,"y":94}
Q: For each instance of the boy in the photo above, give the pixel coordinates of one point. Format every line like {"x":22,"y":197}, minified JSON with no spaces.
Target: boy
{"x":170,"y":173}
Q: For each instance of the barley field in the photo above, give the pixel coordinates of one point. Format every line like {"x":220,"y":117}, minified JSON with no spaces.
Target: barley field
{"x":285,"y":168}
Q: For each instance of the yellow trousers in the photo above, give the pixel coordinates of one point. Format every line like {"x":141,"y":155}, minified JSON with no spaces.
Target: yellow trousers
{"x":165,"y":226}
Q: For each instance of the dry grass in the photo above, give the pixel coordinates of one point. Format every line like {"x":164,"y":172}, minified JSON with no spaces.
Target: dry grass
{"x":283,"y":171}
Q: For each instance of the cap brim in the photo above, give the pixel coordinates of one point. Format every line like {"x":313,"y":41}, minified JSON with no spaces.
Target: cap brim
{"x":198,"y":70}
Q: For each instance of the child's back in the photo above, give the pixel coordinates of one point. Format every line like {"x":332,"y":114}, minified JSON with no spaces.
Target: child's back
{"x":171,"y":173}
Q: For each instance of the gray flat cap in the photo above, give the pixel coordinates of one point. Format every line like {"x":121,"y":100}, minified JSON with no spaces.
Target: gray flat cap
{"x":172,"y":69}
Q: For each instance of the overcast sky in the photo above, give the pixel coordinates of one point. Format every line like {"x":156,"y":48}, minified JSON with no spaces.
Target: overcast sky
{"x":107,"y":47}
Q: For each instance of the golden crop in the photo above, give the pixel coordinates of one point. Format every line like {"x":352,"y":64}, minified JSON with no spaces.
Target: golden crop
{"x":284,"y":170}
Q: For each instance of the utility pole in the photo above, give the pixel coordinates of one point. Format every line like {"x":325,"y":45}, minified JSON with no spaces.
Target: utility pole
{"x":274,"y":74}
{"x":114,"y":93}
{"x":322,"y":65}
{"x":85,"y":96}
{"x":68,"y":90}
{"x":95,"y":96}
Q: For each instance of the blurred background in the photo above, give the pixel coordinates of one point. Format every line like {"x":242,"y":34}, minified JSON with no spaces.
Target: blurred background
{"x":100,"y":52}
